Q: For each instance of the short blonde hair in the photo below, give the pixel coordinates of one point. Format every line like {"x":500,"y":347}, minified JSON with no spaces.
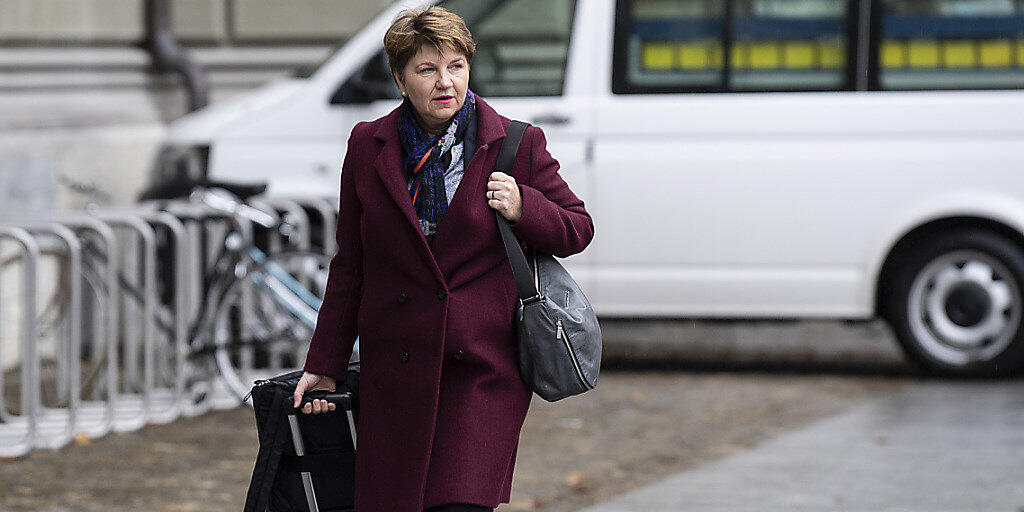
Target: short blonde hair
{"x":435,"y":26}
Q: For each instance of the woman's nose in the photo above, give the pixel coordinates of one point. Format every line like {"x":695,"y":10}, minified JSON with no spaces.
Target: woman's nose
{"x":444,"y":81}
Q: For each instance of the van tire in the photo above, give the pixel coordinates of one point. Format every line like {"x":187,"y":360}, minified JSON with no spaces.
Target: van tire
{"x":964,"y":287}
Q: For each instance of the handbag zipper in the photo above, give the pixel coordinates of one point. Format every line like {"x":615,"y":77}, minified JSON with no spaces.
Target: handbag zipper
{"x":258,"y":382}
{"x":560,"y":334}
{"x":536,"y":272}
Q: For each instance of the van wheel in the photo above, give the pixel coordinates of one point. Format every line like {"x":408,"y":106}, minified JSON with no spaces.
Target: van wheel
{"x":954,"y":302}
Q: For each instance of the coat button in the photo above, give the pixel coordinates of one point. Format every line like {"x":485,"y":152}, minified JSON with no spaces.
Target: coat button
{"x":440,"y":294}
{"x":405,"y":356}
{"x":401,"y":297}
{"x":459,"y":354}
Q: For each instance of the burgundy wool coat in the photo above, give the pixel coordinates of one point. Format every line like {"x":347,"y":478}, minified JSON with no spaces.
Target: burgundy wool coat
{"x":441,"y":399}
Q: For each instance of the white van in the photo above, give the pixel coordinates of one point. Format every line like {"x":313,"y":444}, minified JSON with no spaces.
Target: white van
{"x":849,"y":159}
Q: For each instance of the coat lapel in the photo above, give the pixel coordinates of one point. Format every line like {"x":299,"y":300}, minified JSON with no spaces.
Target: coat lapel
{"x":470,"y":195}
{"x":389,"y":166}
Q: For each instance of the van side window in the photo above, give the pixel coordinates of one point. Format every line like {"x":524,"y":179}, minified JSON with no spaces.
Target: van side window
{"x":521,"y":46}
{"x":668,"y":46}
{"x":773,"y":45}
{"x":787,"y":45}
{"x":951,"y":44}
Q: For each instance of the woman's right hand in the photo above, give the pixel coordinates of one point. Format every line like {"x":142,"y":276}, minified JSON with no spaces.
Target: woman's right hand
{"x":313,"y":382}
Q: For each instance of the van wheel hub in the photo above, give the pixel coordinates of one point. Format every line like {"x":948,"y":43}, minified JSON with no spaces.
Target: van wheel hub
{"x":967,"y":304}
{"x":964,"y":306}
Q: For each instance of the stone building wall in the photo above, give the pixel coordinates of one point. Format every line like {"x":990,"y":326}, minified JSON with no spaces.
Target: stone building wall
{"x":78,"y":100}
{"x":195,"y":21}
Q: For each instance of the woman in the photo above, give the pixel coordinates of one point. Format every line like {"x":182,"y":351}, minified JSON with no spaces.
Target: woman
{"x":421,"y":275}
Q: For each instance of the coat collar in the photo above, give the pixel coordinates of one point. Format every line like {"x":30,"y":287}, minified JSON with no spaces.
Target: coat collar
{"x":490,"y":128}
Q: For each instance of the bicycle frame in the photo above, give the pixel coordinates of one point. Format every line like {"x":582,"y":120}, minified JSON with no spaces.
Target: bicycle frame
{"x":289,"y":292}
{"x":286,"y":290}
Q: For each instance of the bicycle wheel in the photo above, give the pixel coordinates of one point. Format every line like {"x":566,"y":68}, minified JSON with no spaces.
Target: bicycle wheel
{"x":261,"y":328}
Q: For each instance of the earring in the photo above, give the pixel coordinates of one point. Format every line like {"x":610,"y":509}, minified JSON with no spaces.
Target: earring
{"x":403,"y":93}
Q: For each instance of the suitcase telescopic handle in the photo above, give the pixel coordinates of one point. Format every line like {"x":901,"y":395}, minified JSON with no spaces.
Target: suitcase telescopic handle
{"x":343,"y":401}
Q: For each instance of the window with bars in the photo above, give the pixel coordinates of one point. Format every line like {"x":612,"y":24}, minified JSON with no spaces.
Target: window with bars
{"x":679,"y":45}
{"x":951,"y":44}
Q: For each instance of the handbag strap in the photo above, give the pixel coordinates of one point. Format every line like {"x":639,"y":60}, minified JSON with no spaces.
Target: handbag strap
{"x":272,"y":446}
{"x":520,"y":268}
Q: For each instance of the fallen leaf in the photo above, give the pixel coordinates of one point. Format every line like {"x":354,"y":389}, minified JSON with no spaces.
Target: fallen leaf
{"x":574,"y":479}
{"x":188,"y":506}
{"x":521,"y":505}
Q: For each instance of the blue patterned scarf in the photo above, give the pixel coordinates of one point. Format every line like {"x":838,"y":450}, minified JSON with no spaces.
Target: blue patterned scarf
{"x":427,"y":158}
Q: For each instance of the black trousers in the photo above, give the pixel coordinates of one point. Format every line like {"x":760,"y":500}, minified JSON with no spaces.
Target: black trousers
{"x":459,"y":507}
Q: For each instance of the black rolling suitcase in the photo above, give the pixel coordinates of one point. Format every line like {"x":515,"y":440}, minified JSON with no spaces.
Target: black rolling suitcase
{"x":306,"y":462}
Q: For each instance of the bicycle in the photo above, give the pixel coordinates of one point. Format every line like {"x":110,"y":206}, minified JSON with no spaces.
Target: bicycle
{"x":254,"y":337}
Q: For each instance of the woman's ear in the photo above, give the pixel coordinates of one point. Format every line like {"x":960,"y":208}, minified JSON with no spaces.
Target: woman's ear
{"x":399,"y":83}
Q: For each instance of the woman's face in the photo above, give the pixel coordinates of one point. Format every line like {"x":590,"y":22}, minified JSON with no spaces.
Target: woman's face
{"x":436,"y":84}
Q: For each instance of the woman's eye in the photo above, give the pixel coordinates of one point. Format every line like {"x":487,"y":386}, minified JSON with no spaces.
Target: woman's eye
{"x":424,"y":70}
{"x":457,"y":66}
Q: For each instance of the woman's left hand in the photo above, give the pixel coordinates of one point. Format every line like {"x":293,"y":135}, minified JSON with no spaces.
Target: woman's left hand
{"x":503,"y":195}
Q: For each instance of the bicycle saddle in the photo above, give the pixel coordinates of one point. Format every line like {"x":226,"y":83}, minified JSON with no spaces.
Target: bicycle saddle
{"x":180,"y":189}
{"x":242,"y":190}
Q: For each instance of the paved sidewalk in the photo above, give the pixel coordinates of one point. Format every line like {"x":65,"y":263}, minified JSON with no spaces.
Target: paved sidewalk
{"x":940,"y":446}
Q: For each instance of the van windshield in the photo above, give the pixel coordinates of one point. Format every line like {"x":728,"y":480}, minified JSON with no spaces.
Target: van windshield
{"x":469,"y":10}
{"x":522,"y":47}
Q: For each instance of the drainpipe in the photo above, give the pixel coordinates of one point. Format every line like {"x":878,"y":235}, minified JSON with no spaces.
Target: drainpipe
{"x":167,"y":55}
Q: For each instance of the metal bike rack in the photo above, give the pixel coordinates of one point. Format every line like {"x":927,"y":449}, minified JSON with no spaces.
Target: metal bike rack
{"x":56,"y":425}
{"x":193,"y":217}
{"x":168,"y":401}
{"x":196,"y":215}
{"x":94,"y":417}
{"x":167,"y":388}
{"x":220,"y":396}
{"x":131,"y":314}
{"x":328,"y":216}
{"x":146,"y":379}
{"x":18,"y":432}
{"x":328,"y":225}
{"x":133,"y":408}
{"x":298,"y":215}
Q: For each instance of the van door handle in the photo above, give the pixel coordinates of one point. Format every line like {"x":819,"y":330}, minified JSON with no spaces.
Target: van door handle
{"x":551,"y":119}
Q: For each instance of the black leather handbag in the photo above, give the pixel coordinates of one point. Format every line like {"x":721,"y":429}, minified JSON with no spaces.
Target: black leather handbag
{"x":557,"y":329}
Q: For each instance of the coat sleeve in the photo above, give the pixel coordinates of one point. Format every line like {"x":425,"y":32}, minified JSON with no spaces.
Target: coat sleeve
{"x":554,"y":219}
{"x":335,"y":333}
